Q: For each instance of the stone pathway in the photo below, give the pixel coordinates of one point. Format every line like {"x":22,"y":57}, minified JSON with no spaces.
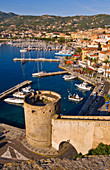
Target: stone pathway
{"x":14,"y":147}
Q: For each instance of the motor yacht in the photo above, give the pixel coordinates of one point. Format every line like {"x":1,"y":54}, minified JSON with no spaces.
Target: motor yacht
{"x":14,"y":100}
{"x":84,"y":86}
{"x":64,"y":53}
{"x":37,"y":74}
{"x":69,"y":77}
{"x":19,"y":94}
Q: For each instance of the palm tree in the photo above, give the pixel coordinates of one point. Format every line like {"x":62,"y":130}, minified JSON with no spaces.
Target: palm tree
{"x":106,"y":62}
{"x":86,"y":58}
{"x":91,"y":60}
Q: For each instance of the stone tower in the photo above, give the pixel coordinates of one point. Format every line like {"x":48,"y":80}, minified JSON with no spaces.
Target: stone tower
{"x":39,"y":109}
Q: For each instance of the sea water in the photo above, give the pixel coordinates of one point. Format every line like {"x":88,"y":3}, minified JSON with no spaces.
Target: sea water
{"x":13,"y":73}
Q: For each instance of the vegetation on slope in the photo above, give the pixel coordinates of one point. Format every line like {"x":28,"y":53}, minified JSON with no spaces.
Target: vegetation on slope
{"x":102,"y":149}
{"x":52,"y":23}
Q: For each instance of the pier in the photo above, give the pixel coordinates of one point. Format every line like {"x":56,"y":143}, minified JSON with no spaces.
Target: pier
{"x":36,"y":59}
{"x":6,"y":93}
{"x":53,"y":74}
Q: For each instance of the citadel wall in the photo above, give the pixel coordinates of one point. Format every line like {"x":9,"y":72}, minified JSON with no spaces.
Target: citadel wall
{"x":82,"y":132}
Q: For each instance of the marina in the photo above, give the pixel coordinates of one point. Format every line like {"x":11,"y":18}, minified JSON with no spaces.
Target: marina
{"x":16,"y":73}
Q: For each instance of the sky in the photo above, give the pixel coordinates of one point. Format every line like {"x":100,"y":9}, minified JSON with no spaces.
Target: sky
{"x":56,"y":7}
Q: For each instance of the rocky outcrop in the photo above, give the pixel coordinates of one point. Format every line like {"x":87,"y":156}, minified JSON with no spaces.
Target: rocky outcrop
{"x":96,"y":162}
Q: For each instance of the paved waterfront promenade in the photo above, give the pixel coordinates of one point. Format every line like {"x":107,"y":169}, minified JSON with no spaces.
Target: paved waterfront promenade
{"x":80,"y":76}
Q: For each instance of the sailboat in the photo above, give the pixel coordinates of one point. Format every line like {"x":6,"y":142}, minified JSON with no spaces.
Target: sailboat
{"x":39,"y":72}
{"x":23,"y":50}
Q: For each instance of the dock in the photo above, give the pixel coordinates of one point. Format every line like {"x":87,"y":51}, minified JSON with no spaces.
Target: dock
{"x":53,"y":74}
{"x":6,"y":93}
{"x":36,"y":59}
{"x":80,"y":76}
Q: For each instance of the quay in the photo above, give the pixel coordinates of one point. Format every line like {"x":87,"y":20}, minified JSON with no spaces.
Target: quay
{"x":6,"y":93}
{"x":53,"y":74}
{"x":36,"y":59}
{"x":80,"y":76}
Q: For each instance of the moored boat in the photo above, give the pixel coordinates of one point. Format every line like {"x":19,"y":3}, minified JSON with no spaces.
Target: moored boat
{"x":37,"y":74}
{"x":27,"y":89}
{"x":14,"y":100}
{"x":64,"y":53}
{"x":69,"y":77}
{"x":84,"y":86}
{"x":19,"y":94}
{"x":75,"y":97}
{"x":23,"y":50}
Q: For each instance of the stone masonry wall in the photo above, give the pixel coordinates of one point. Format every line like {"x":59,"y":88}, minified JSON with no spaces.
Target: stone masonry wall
{"x":38,"y":122}
{"x":83,"y":134}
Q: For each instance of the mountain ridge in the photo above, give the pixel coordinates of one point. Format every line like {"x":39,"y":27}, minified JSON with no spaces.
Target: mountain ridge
{"x":52,"y":23}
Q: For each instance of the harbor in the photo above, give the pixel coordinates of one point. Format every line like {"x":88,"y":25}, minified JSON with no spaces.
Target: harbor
{"x":16,"y":72}
{"x":31,"y":45}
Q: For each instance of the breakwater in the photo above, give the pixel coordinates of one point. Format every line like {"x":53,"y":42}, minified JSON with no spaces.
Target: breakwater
{"x":53,"y":73}
{"x":36,"y":59}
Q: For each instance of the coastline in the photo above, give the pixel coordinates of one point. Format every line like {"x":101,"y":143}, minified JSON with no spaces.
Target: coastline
{"x":94,"y":105}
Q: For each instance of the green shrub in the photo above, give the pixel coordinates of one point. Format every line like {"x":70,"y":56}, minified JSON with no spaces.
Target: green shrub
{"x":102,"y":149}
{"x":79,"y":155}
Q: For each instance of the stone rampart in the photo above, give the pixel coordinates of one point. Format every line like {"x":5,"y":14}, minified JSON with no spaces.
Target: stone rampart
{"x":83,"y":132}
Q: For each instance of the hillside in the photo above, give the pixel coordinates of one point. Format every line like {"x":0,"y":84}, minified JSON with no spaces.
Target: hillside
{"x":50,"y":23}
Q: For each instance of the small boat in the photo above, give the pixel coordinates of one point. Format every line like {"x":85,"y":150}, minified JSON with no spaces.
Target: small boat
{"x":27,"y":89}
{"x":64,"y":52}
{"x":37,"y":74}
{"x":75,"y":97}
{"x":14,"y":100}
{"x":69,"y":77}
{"x":23,"y":50}
{"x":84,"y":86}
{"x":19,"y":94}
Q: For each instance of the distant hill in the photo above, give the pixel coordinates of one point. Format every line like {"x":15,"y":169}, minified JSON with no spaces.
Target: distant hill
{"x":51,"y":23}
{"x":4,"y":15}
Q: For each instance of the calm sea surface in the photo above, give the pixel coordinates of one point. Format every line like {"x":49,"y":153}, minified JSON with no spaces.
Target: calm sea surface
{"x":13,"y":73}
